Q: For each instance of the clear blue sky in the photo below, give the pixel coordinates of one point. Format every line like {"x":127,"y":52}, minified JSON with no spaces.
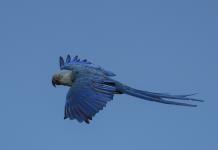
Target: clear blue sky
{"x":163,"y":46}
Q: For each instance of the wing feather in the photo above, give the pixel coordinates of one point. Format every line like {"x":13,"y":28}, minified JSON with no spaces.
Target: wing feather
{"x":87,"y":97}
{"x":70,"y":63}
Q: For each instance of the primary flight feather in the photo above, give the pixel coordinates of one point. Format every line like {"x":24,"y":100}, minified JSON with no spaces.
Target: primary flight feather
{"x":91,"y":87}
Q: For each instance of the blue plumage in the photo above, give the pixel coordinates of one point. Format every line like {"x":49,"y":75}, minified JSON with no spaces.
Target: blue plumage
{"x":85,"y":63}
{"x":91,"y":87}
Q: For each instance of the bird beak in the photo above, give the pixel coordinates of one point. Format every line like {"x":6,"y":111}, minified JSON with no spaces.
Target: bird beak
{"x":53,"y":82}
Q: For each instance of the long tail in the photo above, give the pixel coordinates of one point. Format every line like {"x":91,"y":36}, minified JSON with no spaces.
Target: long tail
{"x":159,"y":97}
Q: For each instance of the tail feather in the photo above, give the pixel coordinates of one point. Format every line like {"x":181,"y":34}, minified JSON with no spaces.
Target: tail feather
{"x":159,"y":97}
{"x":178,"y":97}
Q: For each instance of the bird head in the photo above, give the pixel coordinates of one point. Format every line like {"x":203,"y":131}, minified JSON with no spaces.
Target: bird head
{"x":63,"y":77}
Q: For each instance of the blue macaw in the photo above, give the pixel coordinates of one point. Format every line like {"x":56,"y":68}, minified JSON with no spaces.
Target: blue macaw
{"x":91,"y":87}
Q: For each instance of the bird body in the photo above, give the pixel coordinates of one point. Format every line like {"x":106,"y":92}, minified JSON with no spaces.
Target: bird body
{"x":91,"y":87}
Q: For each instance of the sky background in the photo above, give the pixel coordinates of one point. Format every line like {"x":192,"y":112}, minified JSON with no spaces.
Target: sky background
{"x":162,"y":46}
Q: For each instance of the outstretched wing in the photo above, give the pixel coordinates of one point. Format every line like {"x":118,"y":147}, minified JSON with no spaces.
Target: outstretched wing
{"x":70,"y":62}
{"x":87,"y":96}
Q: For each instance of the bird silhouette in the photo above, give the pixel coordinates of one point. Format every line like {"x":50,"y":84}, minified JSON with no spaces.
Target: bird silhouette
{"x":91,"y":87}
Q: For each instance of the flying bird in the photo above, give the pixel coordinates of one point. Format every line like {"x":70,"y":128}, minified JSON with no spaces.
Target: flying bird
{"x":91,"y":87}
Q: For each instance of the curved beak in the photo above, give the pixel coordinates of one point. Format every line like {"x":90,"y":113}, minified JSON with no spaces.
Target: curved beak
{"x":53,"y":82}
